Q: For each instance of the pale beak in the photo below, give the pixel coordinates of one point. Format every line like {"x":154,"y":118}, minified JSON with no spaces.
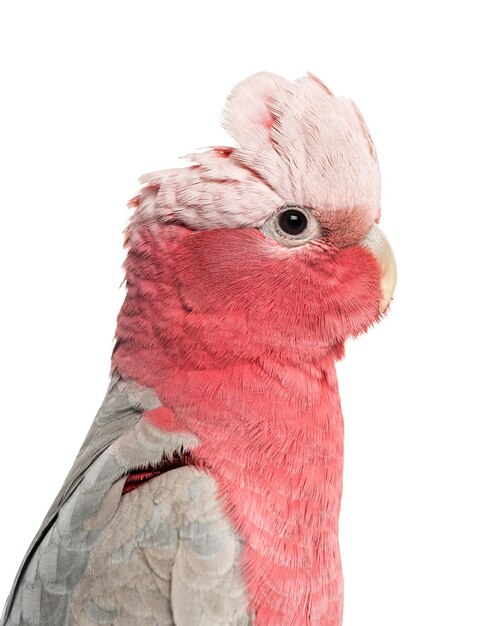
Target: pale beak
{"x":377,"y":242}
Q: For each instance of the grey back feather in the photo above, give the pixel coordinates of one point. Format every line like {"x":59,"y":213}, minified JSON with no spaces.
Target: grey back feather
{"x":120,"y":410}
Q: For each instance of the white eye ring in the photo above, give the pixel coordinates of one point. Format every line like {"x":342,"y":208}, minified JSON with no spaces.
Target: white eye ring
{"x":292,"y":226}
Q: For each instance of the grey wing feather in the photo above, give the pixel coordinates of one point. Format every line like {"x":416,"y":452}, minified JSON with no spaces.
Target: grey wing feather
{"x":120,"y":411}
{"x":162,"y":554}
{"x":169,"y":556}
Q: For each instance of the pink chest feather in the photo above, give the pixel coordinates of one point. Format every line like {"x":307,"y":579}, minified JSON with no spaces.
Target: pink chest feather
{"x":278,"y":460}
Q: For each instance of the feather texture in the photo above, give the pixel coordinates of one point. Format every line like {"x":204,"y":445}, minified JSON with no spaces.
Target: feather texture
{"x":297,"y":144}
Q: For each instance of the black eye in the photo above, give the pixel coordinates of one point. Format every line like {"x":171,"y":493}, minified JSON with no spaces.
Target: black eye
{"x":292,"y":226}
{"x":293,"y":222}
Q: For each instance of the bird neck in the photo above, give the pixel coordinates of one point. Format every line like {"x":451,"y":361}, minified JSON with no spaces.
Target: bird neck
{"x":271,"y":434}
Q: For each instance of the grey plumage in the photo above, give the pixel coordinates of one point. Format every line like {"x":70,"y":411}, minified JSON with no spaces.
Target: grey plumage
{"x":162,"y":554}
{"x":120,"y":411}
{"x":175,"y":561}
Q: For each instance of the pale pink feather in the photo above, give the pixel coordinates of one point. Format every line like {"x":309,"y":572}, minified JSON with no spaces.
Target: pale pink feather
{"x":297,"y":144}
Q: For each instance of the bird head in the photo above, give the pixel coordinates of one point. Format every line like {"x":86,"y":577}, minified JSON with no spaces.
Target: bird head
{"x":270,"y":247}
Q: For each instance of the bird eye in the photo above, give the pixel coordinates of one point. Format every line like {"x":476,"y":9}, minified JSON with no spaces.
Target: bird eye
{"x":292,"y":226}
{"x":292,"y":221}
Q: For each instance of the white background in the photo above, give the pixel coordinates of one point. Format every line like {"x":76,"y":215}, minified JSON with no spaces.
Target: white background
{"x":94,"y":94}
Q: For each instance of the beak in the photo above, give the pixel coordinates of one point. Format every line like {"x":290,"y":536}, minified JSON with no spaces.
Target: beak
{"x":377,"y":242}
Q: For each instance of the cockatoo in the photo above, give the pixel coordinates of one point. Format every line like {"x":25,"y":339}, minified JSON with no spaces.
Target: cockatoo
{"x":207,"y":491}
